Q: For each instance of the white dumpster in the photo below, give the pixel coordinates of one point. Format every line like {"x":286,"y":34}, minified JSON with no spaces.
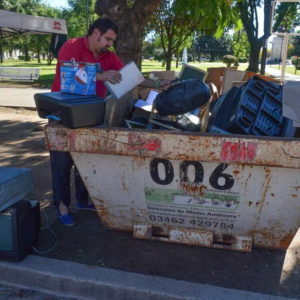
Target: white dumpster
{"x":217,"y":191}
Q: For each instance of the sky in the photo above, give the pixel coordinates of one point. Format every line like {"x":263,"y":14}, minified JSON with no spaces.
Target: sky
{"x":57,"y":3}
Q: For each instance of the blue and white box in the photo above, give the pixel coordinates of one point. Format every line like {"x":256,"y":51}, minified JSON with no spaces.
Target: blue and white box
{"x":78,"y":78}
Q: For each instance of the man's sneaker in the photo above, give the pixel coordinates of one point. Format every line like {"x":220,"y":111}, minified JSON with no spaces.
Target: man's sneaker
{"x":66,"y":219}
{"x":89,"y":206}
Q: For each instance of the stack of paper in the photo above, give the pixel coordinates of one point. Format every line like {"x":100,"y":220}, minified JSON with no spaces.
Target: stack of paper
{"x":148,"y":103}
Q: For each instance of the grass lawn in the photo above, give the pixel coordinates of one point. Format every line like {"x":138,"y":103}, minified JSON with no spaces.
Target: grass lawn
{"x":47,"y":72}
{"x":148,"y":66}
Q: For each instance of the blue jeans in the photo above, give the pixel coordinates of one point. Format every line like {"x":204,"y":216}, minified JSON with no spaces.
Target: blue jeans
{"x":61,"y":166}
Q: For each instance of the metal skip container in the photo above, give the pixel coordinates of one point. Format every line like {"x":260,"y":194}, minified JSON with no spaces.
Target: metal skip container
{"x":228,"y":192}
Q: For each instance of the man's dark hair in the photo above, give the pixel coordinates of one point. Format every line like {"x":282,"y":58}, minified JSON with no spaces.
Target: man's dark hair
{"x":103,"y":24}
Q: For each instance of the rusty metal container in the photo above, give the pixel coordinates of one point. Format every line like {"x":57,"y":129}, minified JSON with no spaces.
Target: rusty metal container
{"x":216,"y":191}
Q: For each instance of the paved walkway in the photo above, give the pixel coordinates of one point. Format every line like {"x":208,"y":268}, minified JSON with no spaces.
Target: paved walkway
{"x":277,"y":73}
{"x":19,"y":97}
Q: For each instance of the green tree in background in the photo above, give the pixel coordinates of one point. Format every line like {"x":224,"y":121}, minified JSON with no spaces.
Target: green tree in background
{"x":212,"y":47}
{"x":177,"y":21}
{"x":79,"y":16}
{"x":173,"y":29}
{"x":131,"y":16}
{"x":249,"y":16}
{"x":240,"y":45}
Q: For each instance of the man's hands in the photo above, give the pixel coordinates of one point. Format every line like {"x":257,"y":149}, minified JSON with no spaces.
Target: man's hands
{"x":164,"y":84}
{"x":111,"y":76}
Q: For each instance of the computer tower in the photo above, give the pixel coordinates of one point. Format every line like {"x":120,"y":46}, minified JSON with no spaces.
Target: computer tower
{"x":19,"y":227}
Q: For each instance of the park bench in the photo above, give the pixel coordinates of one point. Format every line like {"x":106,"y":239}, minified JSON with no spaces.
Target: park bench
{"x":19,"y":74}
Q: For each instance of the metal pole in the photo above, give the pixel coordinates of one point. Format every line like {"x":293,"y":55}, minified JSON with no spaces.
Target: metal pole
{"x":284,"y":55}
{"x":267,"y":31}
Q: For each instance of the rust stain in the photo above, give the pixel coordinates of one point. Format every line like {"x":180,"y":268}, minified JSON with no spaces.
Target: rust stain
{"x":138,"y":142}
{"x":188,"y":146}
{"x":123,"y":178}
{"x":294,"y":196}
{"x":193,"y":189}
{"x":236,"y":172}
{"x":265,"y":188}
{"x":138,"y":162}
{"x":71,"y":140}
{"x":285,"y":241}
{"x":211,"y":154}
{"x":266,"y":234}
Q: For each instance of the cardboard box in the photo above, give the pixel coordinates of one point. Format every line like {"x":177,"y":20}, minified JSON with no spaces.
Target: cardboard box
{"x":78,"y":78}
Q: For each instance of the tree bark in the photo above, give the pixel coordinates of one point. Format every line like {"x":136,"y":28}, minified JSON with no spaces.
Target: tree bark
{"x":26,"y":53}
{"x":248,"y":13}
{"x":38,"y":56}
{"x":255,"y":48}
{"x":168,"y":60}
{"x":131,"y":16}
{"x":1,"y":49}
{"x":267,"y":33}
{"x":177,"y":60}
{"x":1,"y":53}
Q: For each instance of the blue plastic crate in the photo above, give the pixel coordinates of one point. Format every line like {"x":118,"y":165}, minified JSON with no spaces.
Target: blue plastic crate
{"x":255,"y":110}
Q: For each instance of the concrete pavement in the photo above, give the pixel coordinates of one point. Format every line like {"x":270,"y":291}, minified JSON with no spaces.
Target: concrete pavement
{"x":19,"y":97}
{"x":73,"y":280}
{"x":277,"y":73}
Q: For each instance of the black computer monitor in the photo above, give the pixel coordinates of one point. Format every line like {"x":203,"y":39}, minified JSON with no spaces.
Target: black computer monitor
{"x":19,"y":227}
{"x":191,"y":72}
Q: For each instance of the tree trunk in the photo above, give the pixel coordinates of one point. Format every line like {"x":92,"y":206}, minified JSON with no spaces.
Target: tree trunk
{"x":50,"y":58}
{"x":168,"y":60}
{"x":1,"y":49}
{"x":267,"y":30}
{"x":255,"y":47}
{"x":249,"y":17}
{"x":26,"y":53}
{"x":177,"y":60}
{"x":39,"y":56}
{"x":131,"y":16}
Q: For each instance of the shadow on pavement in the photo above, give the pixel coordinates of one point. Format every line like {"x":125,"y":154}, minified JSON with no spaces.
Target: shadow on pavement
{"x":23,"y":145}
{"x":89,"y":242}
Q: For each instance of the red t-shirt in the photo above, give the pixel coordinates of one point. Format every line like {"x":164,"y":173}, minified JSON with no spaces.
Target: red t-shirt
{"x":78,"y":50}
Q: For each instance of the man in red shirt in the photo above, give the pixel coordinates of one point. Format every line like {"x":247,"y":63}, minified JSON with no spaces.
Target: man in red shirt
{"x":92,"y":48}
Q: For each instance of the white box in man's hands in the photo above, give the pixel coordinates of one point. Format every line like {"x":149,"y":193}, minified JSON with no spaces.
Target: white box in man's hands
{"x":131,"y":77}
